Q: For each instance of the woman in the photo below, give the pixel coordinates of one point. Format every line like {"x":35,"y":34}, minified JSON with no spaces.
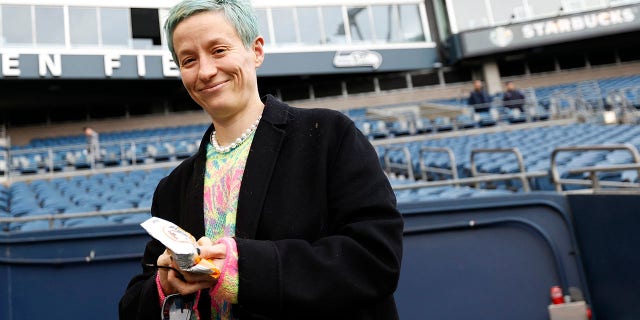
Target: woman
{"x":291,"y":204}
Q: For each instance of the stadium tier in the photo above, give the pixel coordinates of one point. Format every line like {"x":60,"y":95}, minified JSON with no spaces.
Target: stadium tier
{"x":513,"y":151}
{"x":535,"y":145}
{"x":79,"y":200}
{"x":120,"y":148}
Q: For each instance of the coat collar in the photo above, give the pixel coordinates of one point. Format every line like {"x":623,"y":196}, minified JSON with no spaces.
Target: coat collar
{"x":257,"y":173}
{"x":260,"y":166}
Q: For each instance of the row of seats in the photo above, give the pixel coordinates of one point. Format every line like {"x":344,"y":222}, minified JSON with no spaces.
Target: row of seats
{"x":132,"y":190}
{"x":106,"y":137}
{"x":410,"y":125}
{"x":595,"y":91}
{"x":80,"y":194}
{"x":536,"y":146}
{"x":112,"y":154}
{"x":119,"y":148}
{"x":128,"y":191}
{"x":404,"y":196}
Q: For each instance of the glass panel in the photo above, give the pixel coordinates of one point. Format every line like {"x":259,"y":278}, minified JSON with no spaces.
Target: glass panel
{"x":411,"y":23}
{"x":16,"y":24}
{"x":621,"y":2}
{"x":385,"y":20}
{"x":83,"y":26}
{"x":360,"y":24}
{"x":503,"y":10}
{"x":470,"y":14}
{"x":581,"y":5}
{"x":49,"y":25}
{"x":263,"y":25}
{"x":570,"y":6}
{"x":309,"y":23}
{"x":594,"y":4}
{"x":115,"y":25}
{"x":283,"y":26}
{"x":540,"y":8}
{"x":333,"y":25}
{"x":397,"y":23}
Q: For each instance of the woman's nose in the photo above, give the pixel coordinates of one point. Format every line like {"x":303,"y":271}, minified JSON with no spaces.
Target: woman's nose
{"x":208,"y":68}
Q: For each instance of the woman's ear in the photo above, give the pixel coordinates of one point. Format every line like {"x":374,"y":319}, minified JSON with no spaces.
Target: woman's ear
{"x":258,"y":50}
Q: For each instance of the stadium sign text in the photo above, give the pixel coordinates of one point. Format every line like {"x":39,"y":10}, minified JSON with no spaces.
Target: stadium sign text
{"x":99,"y":63}
{"x":549,"y":31}
{"x":44,"y":65}
{"x":578,"y":23}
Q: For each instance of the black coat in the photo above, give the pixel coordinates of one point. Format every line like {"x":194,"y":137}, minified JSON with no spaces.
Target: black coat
{"x":479,"y":100}
{"x":513,"y":99}
{"x":317,"y":230}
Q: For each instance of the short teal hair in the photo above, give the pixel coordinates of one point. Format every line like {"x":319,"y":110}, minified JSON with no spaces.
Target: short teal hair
{"x":239,"y":13}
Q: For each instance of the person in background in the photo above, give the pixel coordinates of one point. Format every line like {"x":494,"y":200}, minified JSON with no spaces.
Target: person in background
{"x":291,"y":204}
{"x":512,"y":98}
{"x":93,"y":143}
{"x":479,"y":99}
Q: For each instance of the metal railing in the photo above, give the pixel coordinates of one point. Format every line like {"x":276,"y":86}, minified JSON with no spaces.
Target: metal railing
{"x":470,"y":181}
{"x":521,"y":174}
{"x":425,"y":170}
{"x":594,"y":182}
{"x":404,"y":167}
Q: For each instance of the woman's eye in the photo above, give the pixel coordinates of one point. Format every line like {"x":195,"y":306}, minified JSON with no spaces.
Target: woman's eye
{"x":186,"y":61}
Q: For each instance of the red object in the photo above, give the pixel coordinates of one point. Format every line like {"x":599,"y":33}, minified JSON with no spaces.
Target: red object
{"x":556,"y":295}
{"x":588,"y":313}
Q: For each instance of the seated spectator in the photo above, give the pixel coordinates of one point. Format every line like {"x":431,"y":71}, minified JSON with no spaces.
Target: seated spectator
{"x":512,"y":98}
{"x":479,"y":98}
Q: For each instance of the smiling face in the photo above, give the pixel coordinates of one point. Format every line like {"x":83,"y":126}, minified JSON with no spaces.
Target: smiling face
{"x":217,"y":70}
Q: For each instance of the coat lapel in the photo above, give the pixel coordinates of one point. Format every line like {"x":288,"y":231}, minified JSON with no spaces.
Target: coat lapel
{"x":194,"y":219}
{"x":261,"y":162}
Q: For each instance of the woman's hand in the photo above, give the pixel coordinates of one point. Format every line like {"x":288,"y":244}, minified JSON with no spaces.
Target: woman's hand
{"x":165,"y":260}
{"x":212,"y":251}
{"x":185,"y":282}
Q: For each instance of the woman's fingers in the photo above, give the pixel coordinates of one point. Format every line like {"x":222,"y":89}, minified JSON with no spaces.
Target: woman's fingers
{"x":204,"y":241}
{"x":213,"y":251}
{"x":187,"y":283}
{"x":164,"y":259}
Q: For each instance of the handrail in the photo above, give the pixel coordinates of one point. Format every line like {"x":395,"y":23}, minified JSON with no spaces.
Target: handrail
{"x":64,"y":216}
{"x":522,"y":173}
{"x":472,"y":180}
{"x":389,"y":165}
{"x":595,"y":183}
{"x":424,"y":169}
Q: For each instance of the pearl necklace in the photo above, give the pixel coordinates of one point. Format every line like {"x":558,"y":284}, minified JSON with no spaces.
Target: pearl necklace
{"x":246,"y":134}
